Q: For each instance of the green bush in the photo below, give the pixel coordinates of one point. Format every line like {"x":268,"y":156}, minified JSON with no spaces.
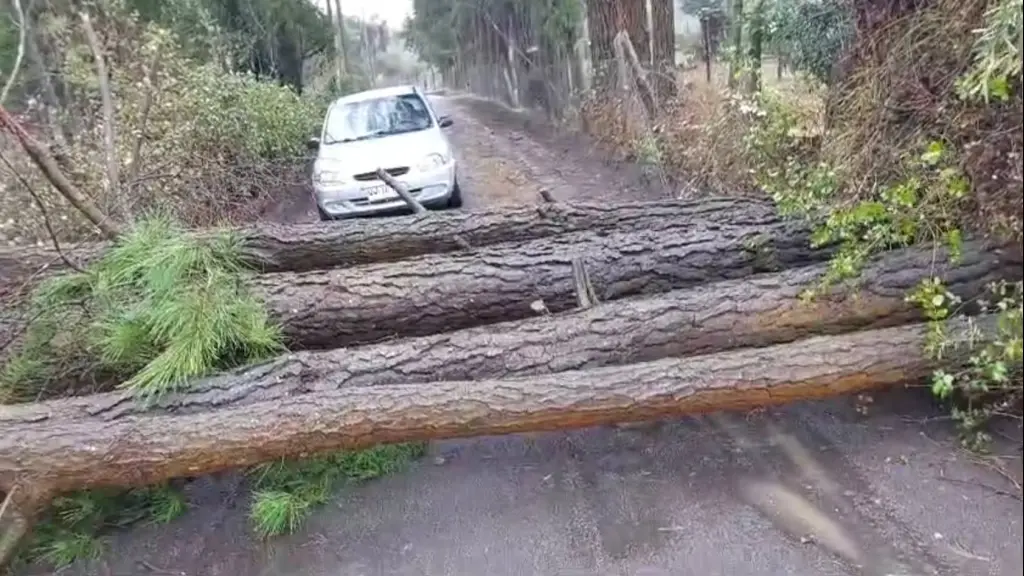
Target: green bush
{"x":194,"y":141}
{"x":197,"y":145}
{"x":923,"y":198}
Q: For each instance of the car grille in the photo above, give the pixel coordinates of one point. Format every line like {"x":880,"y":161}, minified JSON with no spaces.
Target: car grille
{"x":368,"y":176}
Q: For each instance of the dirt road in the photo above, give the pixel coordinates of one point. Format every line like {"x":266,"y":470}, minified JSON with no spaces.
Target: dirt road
{"x":810,"y":490}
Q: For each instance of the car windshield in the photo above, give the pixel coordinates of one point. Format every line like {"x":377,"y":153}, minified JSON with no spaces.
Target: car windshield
{"x":377,"y":117}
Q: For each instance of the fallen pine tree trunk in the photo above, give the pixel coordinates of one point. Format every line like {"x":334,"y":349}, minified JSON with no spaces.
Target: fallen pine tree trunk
{"x":441,"y":293}
{"x":757,"y":311}
{"x":41,"y":457}
{"x":303,"y":247}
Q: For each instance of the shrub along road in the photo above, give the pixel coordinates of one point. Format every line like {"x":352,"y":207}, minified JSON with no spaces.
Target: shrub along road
{"x":815,"y":489}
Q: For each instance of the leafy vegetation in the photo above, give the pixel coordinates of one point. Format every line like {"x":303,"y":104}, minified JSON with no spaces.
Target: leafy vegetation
{"x":447,"y":33}
{"x":159,"y":309}
{"x":892,"y":126}
{"x":68,"y":532}
{"x":920,"y":185}
{"x":810,"y":36}
{"x":286,"y":492}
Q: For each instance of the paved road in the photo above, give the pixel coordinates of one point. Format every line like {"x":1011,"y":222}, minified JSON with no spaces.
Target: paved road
{"x":809,"y":490}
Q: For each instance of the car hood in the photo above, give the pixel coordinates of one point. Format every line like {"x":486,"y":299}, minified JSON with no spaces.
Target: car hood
{"x":385,"y":152}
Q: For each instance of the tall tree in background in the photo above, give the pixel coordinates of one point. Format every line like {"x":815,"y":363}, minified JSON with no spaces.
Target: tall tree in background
{"x":607,"y":17}
{"x":735,"y":39}
{"x":340,"y":37}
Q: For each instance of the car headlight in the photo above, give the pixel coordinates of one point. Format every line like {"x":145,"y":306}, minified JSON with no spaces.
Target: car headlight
{"x":328,"y":177}
{"x":431,"y":161}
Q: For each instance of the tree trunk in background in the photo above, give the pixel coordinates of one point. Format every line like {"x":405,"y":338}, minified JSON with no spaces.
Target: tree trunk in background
{"x":752,"y":312}
{"x":45,"y":454}
{"x":735,"y":39}
{"x":342,"y":37}
{"x":512,"y":72}
{"x":605,"y":18}
{"x":664,"y":43}
{"x":304,"y":247}
{"x":756,"y":47}
{"x":582,"y":50}
{"x":337,"y":44}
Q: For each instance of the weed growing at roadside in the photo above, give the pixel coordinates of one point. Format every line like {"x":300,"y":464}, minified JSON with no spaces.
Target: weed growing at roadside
{"x":70,"y":530}
{"x":286,"y":492}
{"x":990,"y":384}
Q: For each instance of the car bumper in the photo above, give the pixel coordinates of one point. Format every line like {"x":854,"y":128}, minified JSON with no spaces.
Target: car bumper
{"x":432,"y":189}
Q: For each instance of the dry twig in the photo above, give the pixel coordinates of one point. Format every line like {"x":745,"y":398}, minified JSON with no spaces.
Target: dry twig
{"x":48,"y":165}
{"x":46,"y":216}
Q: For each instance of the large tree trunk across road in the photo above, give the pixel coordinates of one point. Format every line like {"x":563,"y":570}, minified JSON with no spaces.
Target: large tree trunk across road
{"x":440,"y":293}
{"x":758,"y":311}
{"x":304,"y":247}
{"x":42,"y":456}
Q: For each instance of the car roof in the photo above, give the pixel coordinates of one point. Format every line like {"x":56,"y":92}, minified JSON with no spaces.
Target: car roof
{"x":376,"y":93}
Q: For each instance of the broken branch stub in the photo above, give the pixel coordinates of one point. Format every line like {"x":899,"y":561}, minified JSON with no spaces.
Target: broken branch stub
{"x":402,"y":191}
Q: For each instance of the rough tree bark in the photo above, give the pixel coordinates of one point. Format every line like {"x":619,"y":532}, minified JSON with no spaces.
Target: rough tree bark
{"x":753,"y":312}
{"x":306,"y":247}
{"x":45,"y":456}
{"x":441,"y":293}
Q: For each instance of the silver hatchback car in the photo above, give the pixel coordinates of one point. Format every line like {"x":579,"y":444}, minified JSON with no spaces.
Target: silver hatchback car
{"x":391,"y":128}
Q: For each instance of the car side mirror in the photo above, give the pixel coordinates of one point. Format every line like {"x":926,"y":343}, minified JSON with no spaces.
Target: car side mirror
{"x":313,"y":143}
{"x":445,"y":121}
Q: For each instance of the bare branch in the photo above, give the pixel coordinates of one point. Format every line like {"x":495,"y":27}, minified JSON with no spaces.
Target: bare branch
{"x":647,"y":97}
{"x":402,"y":191}
{"x":585,"y":295}
{"x":46,"y":162}
{"x":107,"y":100}
{"x":22,"y":34}
{"x":7,"y":502}
{"x":149,"y":82}
{"x":13,"y":527}
{"x":42,"y":208}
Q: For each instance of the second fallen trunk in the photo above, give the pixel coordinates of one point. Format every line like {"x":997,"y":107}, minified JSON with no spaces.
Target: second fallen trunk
{"x":441,"y":293}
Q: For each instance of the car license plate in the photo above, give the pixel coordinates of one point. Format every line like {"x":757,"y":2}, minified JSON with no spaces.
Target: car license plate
{"x":380,"y":193}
